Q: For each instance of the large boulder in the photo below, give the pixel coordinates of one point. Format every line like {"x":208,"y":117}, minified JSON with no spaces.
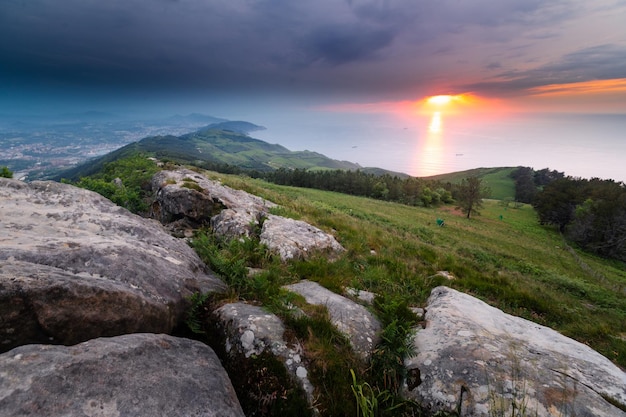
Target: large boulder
{"x":295,"y":239}
{"x":476,"y":359}
{"x":360,"y":326}
{"x":183,"y":193}
{"x":131,"y":375}
{"x":74,"y":266}
{"x":268,"y":371}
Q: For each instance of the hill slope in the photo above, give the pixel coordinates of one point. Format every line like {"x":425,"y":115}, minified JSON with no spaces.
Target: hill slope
{"x":217,"y":146}
{"x":497,"y":179}
{"x":503,"y":256}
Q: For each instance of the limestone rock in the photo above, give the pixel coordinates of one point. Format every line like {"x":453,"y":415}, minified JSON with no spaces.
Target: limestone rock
{"x":249,"y":333}
{"x":296,"y":239}
{"x":366,"y":297}
{"x":186,"y":193}
{"x":131,"y":375}
{"x":235,"y":214}
{"x":496,"y":359}
{"x":75,"y":266}
{"x":352,"y":319}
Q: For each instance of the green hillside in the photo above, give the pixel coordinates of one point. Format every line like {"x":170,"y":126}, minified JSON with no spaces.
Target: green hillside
{"x":210,"y":147}
{"x":497,"y":179}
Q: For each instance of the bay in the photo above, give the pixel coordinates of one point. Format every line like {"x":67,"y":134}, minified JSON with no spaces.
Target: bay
{"x":580,"y":145}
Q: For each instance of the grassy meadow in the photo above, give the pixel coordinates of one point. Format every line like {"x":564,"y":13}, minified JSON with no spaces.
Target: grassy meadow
{"x":502,"y":256}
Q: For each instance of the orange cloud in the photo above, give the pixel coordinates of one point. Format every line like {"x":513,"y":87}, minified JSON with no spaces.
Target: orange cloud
{"x":617,"y":85}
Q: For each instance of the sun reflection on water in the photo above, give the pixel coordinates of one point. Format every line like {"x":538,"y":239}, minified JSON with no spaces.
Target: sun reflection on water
{"x":430,"y":149}
{"x":435,"y":123}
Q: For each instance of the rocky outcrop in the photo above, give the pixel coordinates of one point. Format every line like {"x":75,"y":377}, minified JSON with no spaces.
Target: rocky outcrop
{"x":185,"y":195}
{"x":352,"y":319}
{"x":131,"y":375}
{"x":74,"y":266}
{"x":476,"y":359}
{"x":291,"y":238}
{"x":269,"y":370}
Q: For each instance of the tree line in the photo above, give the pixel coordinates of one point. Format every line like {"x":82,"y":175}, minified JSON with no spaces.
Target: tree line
{"x":411,"y":190}
{"x":590,"y":213}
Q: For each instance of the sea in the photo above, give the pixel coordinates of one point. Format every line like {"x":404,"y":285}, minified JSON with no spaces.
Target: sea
{"x":580,"y":145}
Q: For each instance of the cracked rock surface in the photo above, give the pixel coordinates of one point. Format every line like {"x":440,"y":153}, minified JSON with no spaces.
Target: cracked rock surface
{"x":360,"y":326}
{"x":131,"y":376}
{"x":74,"y":266}
{"x":471,"y":349}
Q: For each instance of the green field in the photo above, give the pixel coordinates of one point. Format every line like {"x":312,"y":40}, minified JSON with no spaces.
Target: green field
{"x":502,"y":256}
{"x":498,"y":180}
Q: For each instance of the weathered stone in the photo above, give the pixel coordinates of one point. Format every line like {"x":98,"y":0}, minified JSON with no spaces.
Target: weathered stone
{"x":214,"y":193}
{"x":75,"y":266}
{"x":235,"y":214}
{"x":249,"y":333}
{"x":233,"y":224}
{"x":296,"y":239}
{"x":131,"y":375}
{"x":352,"y":319}
{"x":494,"y":359}
{"x":180,"y":197}
{"x":366,"y":297}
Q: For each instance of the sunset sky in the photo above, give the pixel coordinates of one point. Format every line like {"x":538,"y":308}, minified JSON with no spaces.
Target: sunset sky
{"x":519,"y":53}
{"x":314,"y":72}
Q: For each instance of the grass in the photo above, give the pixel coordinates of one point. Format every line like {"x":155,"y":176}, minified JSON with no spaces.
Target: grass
{"x":497,"y":179}
{"x":502,"y":256}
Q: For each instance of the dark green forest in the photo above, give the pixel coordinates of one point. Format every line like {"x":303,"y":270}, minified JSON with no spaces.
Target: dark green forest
{"x":590,"y":213}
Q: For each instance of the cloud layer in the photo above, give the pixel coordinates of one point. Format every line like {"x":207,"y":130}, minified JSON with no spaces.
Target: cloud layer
{"x":391,"y":49}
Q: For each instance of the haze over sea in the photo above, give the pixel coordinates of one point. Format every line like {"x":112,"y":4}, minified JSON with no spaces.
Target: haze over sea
{"x":580,"y":145}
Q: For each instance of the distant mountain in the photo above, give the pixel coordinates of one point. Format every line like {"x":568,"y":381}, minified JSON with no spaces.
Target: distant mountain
{"x":215,"y":146}
{"x":195,"y":118}
{"x":235,"y":126}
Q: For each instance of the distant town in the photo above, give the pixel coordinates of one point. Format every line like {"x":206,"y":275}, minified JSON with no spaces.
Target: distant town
{"x":38,"y":148}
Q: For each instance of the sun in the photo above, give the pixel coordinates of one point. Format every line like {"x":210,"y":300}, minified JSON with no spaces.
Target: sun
{"x":441,"y":100}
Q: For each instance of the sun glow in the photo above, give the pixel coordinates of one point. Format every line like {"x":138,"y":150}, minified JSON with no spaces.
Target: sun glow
{"x":440,"y":100}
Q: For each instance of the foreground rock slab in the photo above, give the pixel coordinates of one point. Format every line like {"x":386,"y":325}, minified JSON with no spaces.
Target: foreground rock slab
{"x":261,"y":360}
{"x":476,"y":358}
{"x":74,"y":266}
{"x":352,"y":319}
{"x":132,"y":375}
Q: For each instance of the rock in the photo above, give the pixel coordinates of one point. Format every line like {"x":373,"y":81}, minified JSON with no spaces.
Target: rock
{"x":352,"y":319}
{"x":74,"y":266}
{"x":496,"y":359}
{"x":186,"y":193}
{"x":235,"y":214}
{"x":130,"y":375}
{"x":263,"y":361}
{"x":296,"y":239}
{"x":366,"y":297}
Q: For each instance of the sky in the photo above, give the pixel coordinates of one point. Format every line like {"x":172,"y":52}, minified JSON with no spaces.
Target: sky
{"x":267,"y":60}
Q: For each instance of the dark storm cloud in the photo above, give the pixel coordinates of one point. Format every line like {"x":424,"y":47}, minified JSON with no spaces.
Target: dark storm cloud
{"x":253,"y":45}
{"x":340,"y":44}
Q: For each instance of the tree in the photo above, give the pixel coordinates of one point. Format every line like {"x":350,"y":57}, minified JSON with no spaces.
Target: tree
{"x":470,"y":195}
{"x":5,"y":172}
{"x":556,"y":204}
{"x":525,"y":188}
